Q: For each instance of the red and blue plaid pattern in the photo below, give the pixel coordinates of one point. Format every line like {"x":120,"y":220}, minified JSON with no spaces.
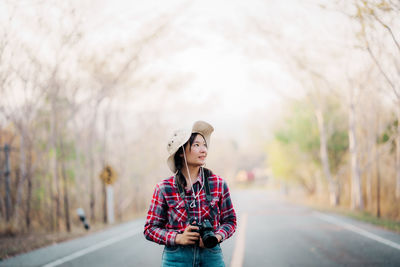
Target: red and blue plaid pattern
{"x":167,"y":215}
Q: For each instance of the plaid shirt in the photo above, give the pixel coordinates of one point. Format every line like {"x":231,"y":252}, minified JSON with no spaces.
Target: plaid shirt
{"x":167,"y":215}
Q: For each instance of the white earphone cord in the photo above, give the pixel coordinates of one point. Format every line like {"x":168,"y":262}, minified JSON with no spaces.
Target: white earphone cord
{"x":191,"y":184}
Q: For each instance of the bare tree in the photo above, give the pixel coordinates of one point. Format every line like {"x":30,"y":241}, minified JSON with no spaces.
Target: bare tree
{"x":315,"y":82}
{"x":379,"y":24}
{"x":109,"y":83}
{"x":356,"y":192}
{"x":46,"y":89}
{"x":21,"y":111}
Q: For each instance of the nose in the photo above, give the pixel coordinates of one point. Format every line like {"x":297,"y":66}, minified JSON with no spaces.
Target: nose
{"x":203,"y":149}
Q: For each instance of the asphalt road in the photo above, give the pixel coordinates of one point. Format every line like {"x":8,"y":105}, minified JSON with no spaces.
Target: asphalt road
{"x":271,"y":232}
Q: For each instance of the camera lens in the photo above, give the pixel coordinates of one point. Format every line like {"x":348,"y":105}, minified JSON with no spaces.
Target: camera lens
{"x":209,"y":239}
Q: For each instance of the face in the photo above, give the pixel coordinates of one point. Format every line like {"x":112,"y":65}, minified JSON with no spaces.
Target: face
{"x":196,"y":153}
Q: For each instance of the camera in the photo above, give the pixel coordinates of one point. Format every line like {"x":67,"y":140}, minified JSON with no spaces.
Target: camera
{"x":206,"y":233}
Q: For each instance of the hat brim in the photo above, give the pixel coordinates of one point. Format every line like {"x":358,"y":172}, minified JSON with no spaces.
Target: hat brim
{"x":201,"y":127}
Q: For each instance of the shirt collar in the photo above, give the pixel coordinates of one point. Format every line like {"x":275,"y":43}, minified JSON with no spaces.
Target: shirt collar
{"x":199,"y":179}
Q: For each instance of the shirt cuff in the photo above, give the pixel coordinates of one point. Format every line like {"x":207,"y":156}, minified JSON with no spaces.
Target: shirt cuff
{"x":171,"y":238}
{"x":222,"y":233}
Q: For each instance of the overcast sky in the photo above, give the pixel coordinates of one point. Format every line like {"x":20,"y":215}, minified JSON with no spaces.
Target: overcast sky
{"x":224,"y":50}
{"x":228,"y":56}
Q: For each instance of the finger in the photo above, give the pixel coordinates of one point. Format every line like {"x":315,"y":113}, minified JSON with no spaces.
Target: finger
{"x":192,"y":228}
{"x":195,"y":238}
{"x":201,"y":244}
{"x":193,"y":234}
{"x":192,"y":242}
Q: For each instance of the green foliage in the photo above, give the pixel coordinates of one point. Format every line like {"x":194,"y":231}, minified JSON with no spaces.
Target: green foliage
{"x":281,"y":160}
{"x":338,"y":145}
{"x":388,"y":134}
{"x":71,"y":175}
{"x":294,"y":155}
{"x":52,"y":152}
{"x":39,"y":194}
{"x":383,"y":138}
{"x":294,"y":150}
{"x":69,"y":151}
{"x":337,"y":135}
{"x":300,"y":130}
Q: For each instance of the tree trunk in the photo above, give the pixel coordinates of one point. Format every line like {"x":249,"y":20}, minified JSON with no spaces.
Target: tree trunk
{"x":54,"y":162}
{"x":65,"y":187}
{"x":104,"y":155}
{"x":91,"y":177}
{"x":356,"y":193}
{"x":370,"y":158}
{"x":66,"y":199}
{"x":31,"y":170}
{"x":91,"y":161}
{"x":398,"y":152}
{"x":22,"y":167}
{"x":104,"y":191}
{"x":369,"y":188}
{"x":2,"y":206}
{"x":7,"y":173}
{"x":378,"y":181}
{"x":28,"y":202}
{"x":50,"y":207}
{"x":333,"y":191}
{"x":58,"y":193}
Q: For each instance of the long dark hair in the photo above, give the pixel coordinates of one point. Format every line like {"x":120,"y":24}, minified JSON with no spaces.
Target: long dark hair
{"x":180,"y":161}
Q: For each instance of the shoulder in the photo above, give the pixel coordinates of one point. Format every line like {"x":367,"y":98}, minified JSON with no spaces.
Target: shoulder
{"x":217,"y":182}
{"x":166,"y":184}
{"x":212,"y":177}
{"x":215,"y":178}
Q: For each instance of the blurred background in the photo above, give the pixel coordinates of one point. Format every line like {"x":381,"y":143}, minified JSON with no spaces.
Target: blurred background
{"x":304,"y":97}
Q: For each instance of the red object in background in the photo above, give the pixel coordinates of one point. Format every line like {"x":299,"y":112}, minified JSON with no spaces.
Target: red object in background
{"x":250,"y":176}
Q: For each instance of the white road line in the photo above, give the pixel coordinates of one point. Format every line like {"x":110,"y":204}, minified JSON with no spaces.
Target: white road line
{"x":90,"y":249}
{"x":357,"y":230}
{"x":238,"y":252}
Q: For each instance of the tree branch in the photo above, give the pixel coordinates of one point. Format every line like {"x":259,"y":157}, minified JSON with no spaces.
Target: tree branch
{"x":388,"y":29}
{"x":381,"y":70}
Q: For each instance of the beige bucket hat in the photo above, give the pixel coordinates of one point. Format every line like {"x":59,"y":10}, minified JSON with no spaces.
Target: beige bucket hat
{"x":181,"y":136}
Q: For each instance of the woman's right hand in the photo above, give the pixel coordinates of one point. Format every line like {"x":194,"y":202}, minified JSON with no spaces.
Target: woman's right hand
{"x":189,"y":236}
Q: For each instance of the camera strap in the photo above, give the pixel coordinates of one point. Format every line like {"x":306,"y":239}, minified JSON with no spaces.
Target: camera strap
{"x":182,"y":193}
{"x":207,"y":173}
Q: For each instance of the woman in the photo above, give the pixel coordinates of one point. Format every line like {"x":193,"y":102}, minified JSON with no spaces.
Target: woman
{"x":191,"y":212}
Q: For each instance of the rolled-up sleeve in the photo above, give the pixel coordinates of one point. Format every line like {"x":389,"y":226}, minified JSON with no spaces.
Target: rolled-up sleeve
{"x":154,"y":228}
{"x":227,"y":215}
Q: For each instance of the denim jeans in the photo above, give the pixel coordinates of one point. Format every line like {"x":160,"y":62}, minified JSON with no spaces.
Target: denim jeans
{"x":185,"y":256}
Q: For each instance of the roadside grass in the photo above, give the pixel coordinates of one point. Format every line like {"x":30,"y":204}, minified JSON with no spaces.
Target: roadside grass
{"x":364,"y":216}
{"x":367,"y":217}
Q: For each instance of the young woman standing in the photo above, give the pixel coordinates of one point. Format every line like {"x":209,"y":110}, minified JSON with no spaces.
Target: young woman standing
{"x":191,"y":212}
